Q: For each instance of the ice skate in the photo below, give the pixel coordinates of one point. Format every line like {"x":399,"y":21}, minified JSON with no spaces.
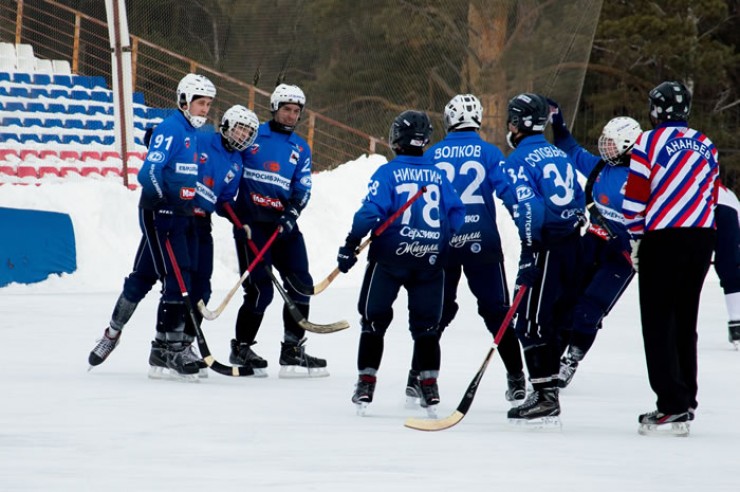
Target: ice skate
{"x":657,"y":423}
{"x":103,"y":349}
{"x":363,"y":395}
{"x":516,"y":388}
{"x":733,"y":328}
{"x":243,"y":355}
{"x":540,"y":410}
{"x":192,"y":357}
{"x":295,"y":363}
{"x":429,"y":396}
{"x":568,"y":366}
{"x":168,"y":362}
{"x":413,"y":390}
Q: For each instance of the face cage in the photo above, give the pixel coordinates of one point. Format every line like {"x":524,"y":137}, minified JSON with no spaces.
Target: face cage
{"x":240,"y":136}
{"x":608,"y":150}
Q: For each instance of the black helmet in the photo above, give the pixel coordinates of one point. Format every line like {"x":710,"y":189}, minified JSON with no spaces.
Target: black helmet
{"x":670,"y":100}
{"x":529,"y":113}
{"x":410,"y":131}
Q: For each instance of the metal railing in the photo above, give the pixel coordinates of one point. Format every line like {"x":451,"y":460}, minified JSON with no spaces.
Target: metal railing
{"x":58,"y":32}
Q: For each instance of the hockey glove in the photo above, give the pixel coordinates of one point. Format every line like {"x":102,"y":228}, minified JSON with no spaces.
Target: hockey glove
{"x":529,"y":273}
{"x":635,"y":244}
{"x":347,"y":255}
{"x":559,"y":128}
{"x":287,"y":220}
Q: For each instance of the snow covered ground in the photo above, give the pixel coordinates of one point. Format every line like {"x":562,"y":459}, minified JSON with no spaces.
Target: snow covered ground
{"x":63,"y":428}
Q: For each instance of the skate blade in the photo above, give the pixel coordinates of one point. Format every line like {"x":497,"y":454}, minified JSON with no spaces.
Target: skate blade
{"x":412,"y":402}
{"x":162,"y":373}
{"x":299,"y":372}
{"x":431,"y":411}
{"x":546,"y":423}
{"x":735,"y":343}
{"x":676,"y":429}
{"x":203,"y":373}
{"x":259,"y":373}
{"x":361,"y":408}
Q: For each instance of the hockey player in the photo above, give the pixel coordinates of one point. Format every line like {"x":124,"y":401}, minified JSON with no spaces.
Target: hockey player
{"x":473,"y":167}
{"x":727,"y":257}
{"x":215,"y":185}
{"x":607,"y":267}
{"x":669,"y":203}
{"x":409,"y":254}
{"x":547,"y":205}
{"x":275,"y":187}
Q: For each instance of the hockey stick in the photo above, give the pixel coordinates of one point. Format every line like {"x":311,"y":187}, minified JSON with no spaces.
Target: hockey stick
{"x":467,"y":399}
{"x":202,"y":345}
{"x":295,"y":313}
{"x":591,"y":204}
{"x":211,"y":315}
{"x":318,"y":288}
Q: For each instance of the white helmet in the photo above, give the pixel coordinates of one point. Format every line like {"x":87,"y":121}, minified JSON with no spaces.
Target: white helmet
{"x":287,"y":94}
{"x":239,"y":127}
{"x":617,"y":138}
{"x":190,"y":86}
{"x":463,"y":111}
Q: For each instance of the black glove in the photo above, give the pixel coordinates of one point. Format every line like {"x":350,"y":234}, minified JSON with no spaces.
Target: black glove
{"x":242,"y":234}
{"x":558,"y":122}
{"x":529,"y":273}
{"x":287,"y":220}
{"x":347,"y":255}
{"x":163,"y":219}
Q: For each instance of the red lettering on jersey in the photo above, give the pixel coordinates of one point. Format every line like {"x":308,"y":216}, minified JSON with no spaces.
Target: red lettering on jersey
{"x":187,"y":193}
{"x":272,"y":166}
{"x":266,"y":201}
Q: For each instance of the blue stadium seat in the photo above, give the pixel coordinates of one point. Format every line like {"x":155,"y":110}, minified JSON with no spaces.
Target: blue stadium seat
{"x":30,"y":137}
{"x":108,"y":125}
{"x":35,"y":107}
{"x":139,"y":97}
{"x":97,"y":81}
{"x":76,"y":109}
{"x":78,"y":124}
{"x":53,"y":123}
{"x":56,"y":93}
{"x":50,"y":138}
{"x":14,"y":106}
{"x":56,"y":108}
{"x":80,"y":94}
{"x":94,"y":125}
{"x":4,"y":91}
{"x":80,"y":81}
{"x":63,"y":80}
{"x":71,"y":139}
{"x":7,"y":135}
{"x":22,"y":78}
{"x":94,"y":109}
{"x":139,"y":112}
{"x":4,"y":77}
{"x":101,"y":96}
{"x":12,"y":121}
{"x":32,"y":122}
{"x":19,"y":92}
{"x":37,"y":92}
{"x":108,"y":140}
{"x":42,"y":79}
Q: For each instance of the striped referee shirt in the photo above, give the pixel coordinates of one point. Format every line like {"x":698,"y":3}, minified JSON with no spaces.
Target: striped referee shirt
{"x":673,"y":180}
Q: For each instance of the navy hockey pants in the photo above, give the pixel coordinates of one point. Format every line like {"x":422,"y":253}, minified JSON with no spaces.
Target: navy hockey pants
{"x":727,"y":249}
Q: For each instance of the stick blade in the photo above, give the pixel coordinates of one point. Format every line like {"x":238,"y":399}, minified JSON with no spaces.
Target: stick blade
{"x":330,"y":328}
{"x":434,"y":424}
{"x":207,"y":314}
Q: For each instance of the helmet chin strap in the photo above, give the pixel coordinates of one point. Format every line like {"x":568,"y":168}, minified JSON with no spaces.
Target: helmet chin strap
{"x":512,"y":140}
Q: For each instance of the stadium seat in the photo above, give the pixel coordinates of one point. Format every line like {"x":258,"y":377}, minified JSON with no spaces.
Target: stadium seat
{"x":96,"y":82}
{"x":80,"y":94}
{"x":14,"y":106}
{"x":69,"y":171}
{"x":9,"y":136}
{"x":139,"y":98}
{"x":45,"y":154}
{"x":56,"y":108}
{"x":63,"y":80}
{"x":53,"y":123}
{"x":24,"y":171}
{"x":35,"y":107}
{"x":4,"y":76}
{"x":76,"y":109}
{"x":17,"y":91}
{"x":4,"y":91}
{"x":93,"y":125}
{"x":22,"y":78}
{"x":71,"y":138}
{"x":47,"y":171}
{"x":27,"y":154}
{"x":28,"y":122}
{"x":94,"y":109}
{"x":61,"y":67}
{"x":37,"y":92}
{"x":41,"y":78}
{"x":12,"y":121}
{"x":101,"y":96}
{"x":9,"y":155}
{"x":74,"y":123}
{"x":8,"y":170}
{"x":43,"y":68}
{"x":69,"y":155}
{"x":56,"y":93}
{"x":50,"y":138}
{"x":109,"y":154}
{"x":110,"y":171}
{"x":108,"y":125}
{"x":87,"y":155}
{"x":88,"y":171}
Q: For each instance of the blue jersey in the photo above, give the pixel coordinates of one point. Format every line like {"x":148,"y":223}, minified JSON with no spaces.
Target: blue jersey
{"x":420,"y":236}
{"x":218,"y":173}
{"x":473,"y":167}
{"x":544,"y":196}
{"x":277,"y":174}
{"x":169,"y":173}
{"x":608,"y":189}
